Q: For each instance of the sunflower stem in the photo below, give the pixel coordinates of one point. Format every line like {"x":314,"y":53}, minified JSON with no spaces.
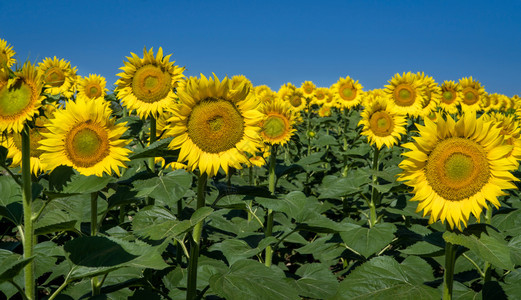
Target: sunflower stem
{"x":487,"y":269}
{"x":152,"y":160}
{"x":191,"y":292}
{"x":374,"y":191}
{"x":448,"y":274}
{"x":29,"y":240}
{"x":95,"y":286}
{"x":269,"y":222}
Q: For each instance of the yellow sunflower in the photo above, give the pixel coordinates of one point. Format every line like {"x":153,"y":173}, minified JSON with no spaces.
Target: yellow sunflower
{"x":370,"y":96}
{"x":20,"y":97}
{"x":285,"y":89}
{"x":278,"y":124}
{"x":510,"y":130}
{"x":381,"y":125}
{"x":347,"y":92}
{"x":58,"y":77}
{"x":92,"y":87}
{"x":240,"y":80}
{"x":321,"y":95}
{"x":266,"y":95}
{"x":324,"y":111}
{"x":472,"y":94}
{"x":85,"y":137}
{"x":214,"y":126}
{"x":432,"y":94}
{"x":147,"y":85}
{"x":13,"y":143}
{"x":6,"y":54}
{"x":296,"y":99}
{"x":261,"y":88}
{"x":406,"y":94}
{"x":308,"y":89}
{"x":450,"y":96}
{"x":455,"y":167}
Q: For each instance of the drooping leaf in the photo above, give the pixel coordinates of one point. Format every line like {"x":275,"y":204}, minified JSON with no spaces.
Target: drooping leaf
{"x":367,"y":241}
{"x":11,"y":264}
{"x":96,"y":251}
{"x":157,"y":149}
{"x":11,"y":200}
{"x":316,"y":281}
{"x":235,"y":249}
{"x":167,"y":189}
{"x":336,"y":187}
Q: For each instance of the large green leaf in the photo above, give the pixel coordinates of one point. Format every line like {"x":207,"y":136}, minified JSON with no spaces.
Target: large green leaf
{"x":11,"y":264}
{"x":80,"y":184}
{"x":168,"y":189}
{"x":367,"y":241}
{"x":316,"y":281}
{"x":157,"y":149}
{"x":384,"y":278}
{"x":96,"y":251}
{"x":11,"y":200}
{"x":336,"y":187}
{"x":248,"y":279}
{"x":235,"y":249}
{"x":485,"y":242}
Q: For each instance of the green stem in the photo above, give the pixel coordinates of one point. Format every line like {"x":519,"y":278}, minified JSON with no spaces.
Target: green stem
{"x":487,"y":269}
{"x":448,"y":275}
{"x":95,"y":285}
{"x":374,"y":192}
{"x":269,"y":222}
{"x":152,"y":160}
{"x":29,"y":238}
{"x":191,"y":292}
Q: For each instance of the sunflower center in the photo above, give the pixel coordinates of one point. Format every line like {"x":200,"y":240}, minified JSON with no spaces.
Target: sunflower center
{"x":381,"y":123}
{"x":14,"y":100}
{"x":87,"y":144}
{"x":93,"y":91}
{"x":54,"y":77}
{"x":470,"y":96}
{"x":215,"y":125}
{"x":457,"y":168}
{"x":404,"y":95}
{"x":347,"y":92}
{"x":320,"y":95}
{"x":295,"y":101}
{"x":275,"y":127}
{"x":151,"y":84}
{"x":308,"y":89}
{"x":449,"y":97}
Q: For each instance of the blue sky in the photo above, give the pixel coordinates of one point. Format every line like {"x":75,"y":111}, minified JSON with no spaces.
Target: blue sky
{"x":274,"y":42}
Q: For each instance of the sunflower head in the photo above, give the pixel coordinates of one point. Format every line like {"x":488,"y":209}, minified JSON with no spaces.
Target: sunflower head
{"x":432,"y":93}
{"x":92,"y":87}
{"x":295,"y":98}
{"x":285,"y":89}
{"x":308,"y":89}
{"x":472,"y":93}
{"x":147,"y":84}
{"x":450,"y":96}
{"x":238,"y":80}
{"x":85,"y":137}
{"x":406,"y":93}
{"x":215,"y":126}
{"x":266,"y":95}
{"x":455,"y":167}
{"x":20,"y":97}
{"x":381,"y":125}
{"x":277,"y":127}
{"x":58,"y":76}
{"x":6,"y":54}
{"x":321,"y":95}
{"x":347,"y":92}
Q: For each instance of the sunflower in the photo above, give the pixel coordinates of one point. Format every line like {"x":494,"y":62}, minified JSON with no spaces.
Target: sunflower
{"x":215,"y":126}
{"x":432,"y":94}
{"x":347,"y":92}
{"x":510,"y":130}
{"x":20,"y":97}
{"x":308,"y":89}
{"x":285,"y":89}
{"x":296,"y":99}
{"x":147,"y":85}
{"x":455,"y":167}
{"x":266,"y":95}
{"x":450,"y":96}
{"x":85,"y":137}
{"x":472,"y":94}
{"x":321,"y":95}
{"x":92,"y":87}
{"x":381,"y":125}
{"x":406,"y":94}
{"x":261,"y":88}
{"x":324,"y":111}
{"x":6,"y":54}
{"x":13,"y":143}
{"x":278,"y":124}
{"x":58,"y":77}
{"x":371,"y":95}
{"x":239,"y":80}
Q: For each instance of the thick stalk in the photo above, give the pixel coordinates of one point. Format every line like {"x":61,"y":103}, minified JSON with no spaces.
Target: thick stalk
{"x":374,"y":192}
{"x":29,"y":240}
{"x":152,"y":160}
{"x":271,"y":186}
{"x":94,"y":283}
{"x":487,"y":269}
{"x":191,"y":292}
{"x":448,"y":275}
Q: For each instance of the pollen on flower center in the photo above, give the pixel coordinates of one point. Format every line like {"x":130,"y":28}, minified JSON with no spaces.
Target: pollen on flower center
{"x":151,"y":84}
{"x":54,"y":77}
{"x":87,"y":144}
{"x":381,"y":123}
{"x":15,"y":99}
{"x":215,"y":125}
{"x":404,"y":95}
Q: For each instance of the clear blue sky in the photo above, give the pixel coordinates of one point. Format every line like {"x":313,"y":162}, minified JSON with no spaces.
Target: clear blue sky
{"x":274,"y":42}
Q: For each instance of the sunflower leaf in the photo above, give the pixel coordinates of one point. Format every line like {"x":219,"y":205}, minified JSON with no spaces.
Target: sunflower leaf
{"x":367,"y":241}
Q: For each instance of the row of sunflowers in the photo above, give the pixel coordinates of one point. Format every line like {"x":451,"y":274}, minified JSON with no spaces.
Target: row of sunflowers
{"x":455,"y":145}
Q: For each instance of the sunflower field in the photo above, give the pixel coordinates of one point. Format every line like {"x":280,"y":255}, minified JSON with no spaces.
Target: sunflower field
{"x":176,"y":187}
